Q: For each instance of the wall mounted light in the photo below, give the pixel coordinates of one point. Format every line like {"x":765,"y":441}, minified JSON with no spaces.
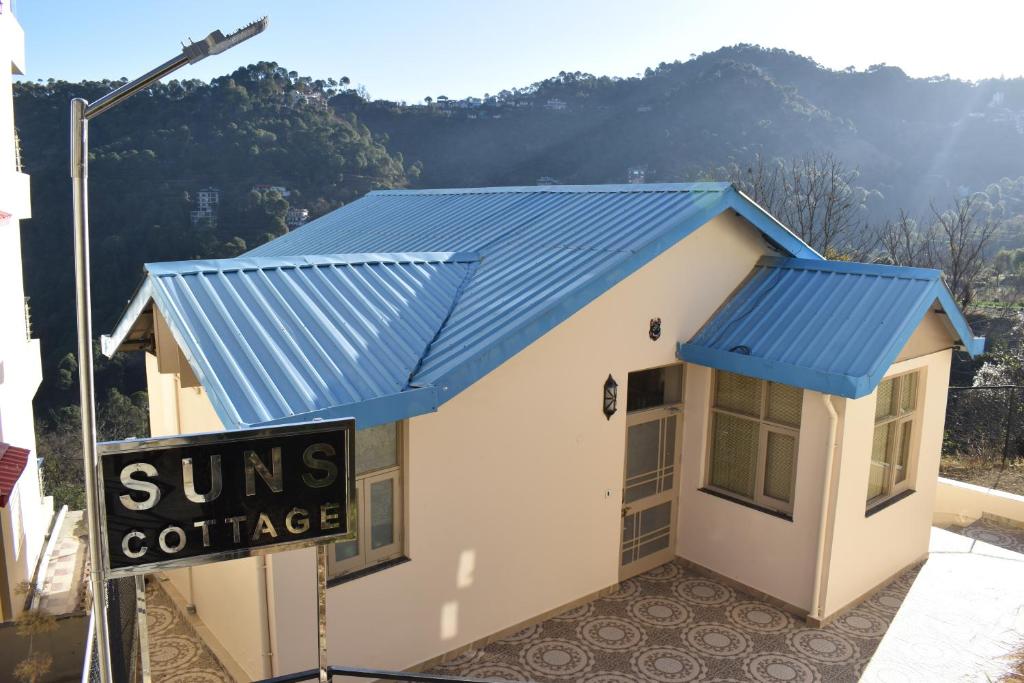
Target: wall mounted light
{"x":611,"y":397}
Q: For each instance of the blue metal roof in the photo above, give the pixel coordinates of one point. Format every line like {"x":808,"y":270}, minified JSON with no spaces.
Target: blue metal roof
{"x":545,"y":252}
{"x":271,"y":337}
{"x":831,"y":326}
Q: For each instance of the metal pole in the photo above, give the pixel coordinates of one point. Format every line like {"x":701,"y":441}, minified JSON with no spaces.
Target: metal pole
{"x":321,"y":611}
{"x":80,"y":198}
{"x":143,"y":626}
{"x":1011,"y":410}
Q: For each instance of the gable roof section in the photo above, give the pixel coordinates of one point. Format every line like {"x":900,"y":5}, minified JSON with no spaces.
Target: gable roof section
{"x":831,"y":326}
{"x":545,"y":252}
{"x":269,"y":337}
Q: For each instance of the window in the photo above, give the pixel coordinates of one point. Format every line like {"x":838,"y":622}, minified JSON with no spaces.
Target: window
{"x":891,"y":456}
{"x":755,"y":428}
{"x":379,"y":501}
{"x":654,"y":388}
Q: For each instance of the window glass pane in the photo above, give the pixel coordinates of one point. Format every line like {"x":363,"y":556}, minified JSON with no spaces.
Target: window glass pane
{"x":785,"y":404}
{"x":734,"y":454}
{"x":879,"y":460}
{"x":778,"y":466}
{"x":642,"y":448}
{"x":655,"y":387}
{"x":346,"y":550}
{"x":908,"y":393}
{"x":886,"y":405}
{"x":376,"y":448}
{"x":738,"y":393}
{"x":382,"y":513}
{"x":903,"y":456}
{"x":655,"y":518}
{"x":653,"y":546}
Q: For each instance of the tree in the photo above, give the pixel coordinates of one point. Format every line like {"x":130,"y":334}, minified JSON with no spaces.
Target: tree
{"x":962,"y":237}
{"x":816,"y":197}
{"x":903,"y":244}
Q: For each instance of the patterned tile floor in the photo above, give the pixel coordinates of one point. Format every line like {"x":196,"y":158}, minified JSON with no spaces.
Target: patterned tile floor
{"x":176,"y":653}
{"x":671,"y":625}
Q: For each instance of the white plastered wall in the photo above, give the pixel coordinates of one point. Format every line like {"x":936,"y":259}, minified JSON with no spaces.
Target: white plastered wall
{"x":865,"y":551}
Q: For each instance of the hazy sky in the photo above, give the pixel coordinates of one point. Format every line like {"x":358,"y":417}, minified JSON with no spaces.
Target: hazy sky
{"x":407,"y":49}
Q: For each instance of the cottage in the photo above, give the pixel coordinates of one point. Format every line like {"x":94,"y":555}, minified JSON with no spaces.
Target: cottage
{"x":557,"y":388}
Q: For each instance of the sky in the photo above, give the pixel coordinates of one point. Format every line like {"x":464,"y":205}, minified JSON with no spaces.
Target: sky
{"x":409,"y":49}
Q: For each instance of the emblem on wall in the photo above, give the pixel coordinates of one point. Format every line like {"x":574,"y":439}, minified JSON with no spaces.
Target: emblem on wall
{"x":655,"y":330}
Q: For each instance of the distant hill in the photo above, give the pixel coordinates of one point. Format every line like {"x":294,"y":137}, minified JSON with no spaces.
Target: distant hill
{"x":912,"y":139}
{"x":274,"y":142}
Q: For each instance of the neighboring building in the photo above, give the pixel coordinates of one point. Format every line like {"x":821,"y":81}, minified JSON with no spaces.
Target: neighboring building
{"x":24,"y":514}
{"x":283,"y":191}
{"x":557,"y":388}
{"x":555,"y":104}
{"x":296,"y":217}
{"x":207,"y":204}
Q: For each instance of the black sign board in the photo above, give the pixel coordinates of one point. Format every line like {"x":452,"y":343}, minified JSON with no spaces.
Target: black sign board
{"x":187,"y":500}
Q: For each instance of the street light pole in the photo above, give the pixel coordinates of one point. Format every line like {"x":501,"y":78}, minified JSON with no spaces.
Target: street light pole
{"x":81,"y":112}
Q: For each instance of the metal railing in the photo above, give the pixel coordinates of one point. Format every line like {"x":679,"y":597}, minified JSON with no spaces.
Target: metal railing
{"x":983,"y":422}
{"x":377,"y":674}
{"x":17,"y":153}
{"x":124,"y":637}
{"x":28,"y":319}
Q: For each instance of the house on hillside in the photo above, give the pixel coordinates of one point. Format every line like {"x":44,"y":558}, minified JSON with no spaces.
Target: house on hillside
{"x":556,"y":389}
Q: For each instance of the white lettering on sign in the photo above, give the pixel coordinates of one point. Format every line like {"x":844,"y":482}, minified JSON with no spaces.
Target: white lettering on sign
{"x":129,"y":481}
{"x":255,"y":465}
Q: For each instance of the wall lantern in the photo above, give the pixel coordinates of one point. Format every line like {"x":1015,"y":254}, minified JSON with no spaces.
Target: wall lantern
{"x":611,"y":397}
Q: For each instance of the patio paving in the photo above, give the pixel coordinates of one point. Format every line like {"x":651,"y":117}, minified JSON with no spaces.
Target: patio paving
{"x":953,"y":619}
{"x":176,"y":653}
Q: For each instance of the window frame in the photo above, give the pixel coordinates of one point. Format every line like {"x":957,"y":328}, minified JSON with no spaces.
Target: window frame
{"x":760,"y":499}
{"x":892,"y":488}
{"x":367,"y":558}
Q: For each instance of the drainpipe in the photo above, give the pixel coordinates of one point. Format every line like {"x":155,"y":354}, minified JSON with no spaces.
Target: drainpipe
{"x":263,"y":581}
{"x":819,"y":559}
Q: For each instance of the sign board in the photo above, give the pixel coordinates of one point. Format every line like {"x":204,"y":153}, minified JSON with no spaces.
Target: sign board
{"x":186,"y":500}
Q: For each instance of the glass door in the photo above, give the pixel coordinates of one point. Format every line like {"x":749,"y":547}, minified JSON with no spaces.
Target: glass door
{"x":650,"y":474}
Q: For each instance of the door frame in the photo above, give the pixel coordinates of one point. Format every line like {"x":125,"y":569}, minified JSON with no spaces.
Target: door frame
{"x":660,"y":557}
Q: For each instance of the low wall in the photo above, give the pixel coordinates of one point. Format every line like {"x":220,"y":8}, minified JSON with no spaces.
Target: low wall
{"x":66,"y":645}
{"x":960,"y":504}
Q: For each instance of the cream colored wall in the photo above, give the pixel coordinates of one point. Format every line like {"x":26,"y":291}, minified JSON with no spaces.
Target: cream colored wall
{"x":865,"y":551}
{"x":958,"y":503}
{"x":227,"y":595}
{"x":514,"y":486}
{"x":765,"y":552}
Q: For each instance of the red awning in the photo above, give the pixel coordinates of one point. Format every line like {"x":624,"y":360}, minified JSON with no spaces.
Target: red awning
{"x":12,"y":464}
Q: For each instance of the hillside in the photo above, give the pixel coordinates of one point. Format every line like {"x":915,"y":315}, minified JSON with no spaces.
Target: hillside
{"x":271,"y":141}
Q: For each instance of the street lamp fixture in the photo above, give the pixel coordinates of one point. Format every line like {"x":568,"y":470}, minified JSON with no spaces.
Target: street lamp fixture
{"x":81,"y":112}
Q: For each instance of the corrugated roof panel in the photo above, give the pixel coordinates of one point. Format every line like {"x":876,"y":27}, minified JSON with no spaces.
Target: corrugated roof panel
{"x":830,"y":326}
{"x":544,"y":253}
{"x":273,"y":337}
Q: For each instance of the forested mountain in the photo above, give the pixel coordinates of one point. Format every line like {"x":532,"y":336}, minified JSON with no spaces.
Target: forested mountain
{"x":270,"y":140}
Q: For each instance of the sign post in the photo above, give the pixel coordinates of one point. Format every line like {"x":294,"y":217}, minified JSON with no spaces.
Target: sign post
{"x":182,"y":501}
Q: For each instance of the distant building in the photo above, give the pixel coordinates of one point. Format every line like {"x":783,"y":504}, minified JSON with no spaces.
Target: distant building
{"x":555,"y":104}
{"x":636,"y":174}
{"x":207,"y":203}
{"x":644,"y":108}
{"x":283,"y":191}
{"x":296,"y":217}
{"x":547,"y":180}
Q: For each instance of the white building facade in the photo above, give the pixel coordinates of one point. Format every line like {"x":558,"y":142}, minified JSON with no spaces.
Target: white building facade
{"x":24,"y":514}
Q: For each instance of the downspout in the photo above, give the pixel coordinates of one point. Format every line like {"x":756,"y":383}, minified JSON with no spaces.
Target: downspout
{"x":263,"y":582}
{"x":819,"y":559}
